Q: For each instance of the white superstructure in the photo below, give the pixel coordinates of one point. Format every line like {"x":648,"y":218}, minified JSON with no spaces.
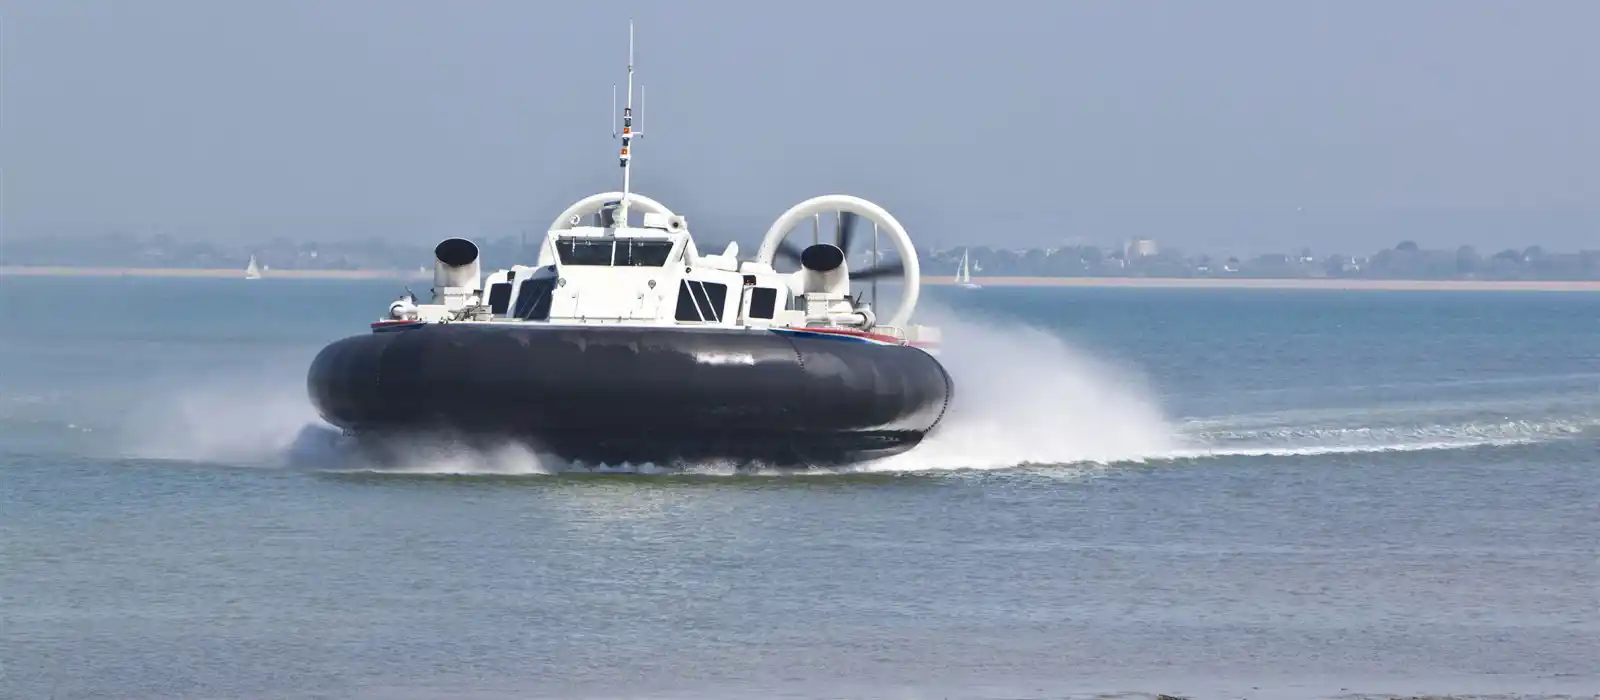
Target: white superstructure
{"x":623,"y":258}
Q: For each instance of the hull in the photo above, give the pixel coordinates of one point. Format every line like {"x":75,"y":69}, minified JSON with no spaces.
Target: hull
{"x":614,"y":394}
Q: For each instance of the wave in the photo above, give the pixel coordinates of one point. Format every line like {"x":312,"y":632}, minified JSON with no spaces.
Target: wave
{"x":1258,"y":436}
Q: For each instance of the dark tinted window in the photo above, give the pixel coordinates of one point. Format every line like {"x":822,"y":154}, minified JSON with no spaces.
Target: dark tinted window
{"x":582,"y":251}
{"x":714,"y":295}
{"x":541,"y":306}
{"x":499,"y":297}
{"x":637,"y":253}
{"x":533,"y":299}
{"x":700,"y":301}
{"x":763,"y":301}
{"x":686,"y":306}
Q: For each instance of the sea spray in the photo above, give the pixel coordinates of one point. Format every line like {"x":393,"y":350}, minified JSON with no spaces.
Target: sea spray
{"x":1024,"y":396}
{"x":255,"y":418}
{"x":434,"y":455}
{"x":265,"y":419}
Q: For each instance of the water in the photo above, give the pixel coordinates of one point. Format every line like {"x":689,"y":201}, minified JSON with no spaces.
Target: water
{"x":1208,"y":493}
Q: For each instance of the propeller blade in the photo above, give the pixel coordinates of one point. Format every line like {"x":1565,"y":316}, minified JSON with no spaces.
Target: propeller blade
{"x":846,"y":230}
{"x":789,"y":252}
{"x":884,"y":270}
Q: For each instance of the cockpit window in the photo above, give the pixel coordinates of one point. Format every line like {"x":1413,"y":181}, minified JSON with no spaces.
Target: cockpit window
{"x":621,"y":252}
{"x":584,"y":251}
{"x":634,"y":252}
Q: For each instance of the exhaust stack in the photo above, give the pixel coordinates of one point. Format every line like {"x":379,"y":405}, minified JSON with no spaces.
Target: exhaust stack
{"x":456,"y":276}
{"x":822,"y":269}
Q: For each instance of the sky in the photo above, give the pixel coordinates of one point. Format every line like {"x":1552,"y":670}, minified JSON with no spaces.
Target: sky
{"x":1222,"y":127}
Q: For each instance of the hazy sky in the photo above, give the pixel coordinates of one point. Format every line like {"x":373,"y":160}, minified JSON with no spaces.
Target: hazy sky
{"x":1225,"y":126}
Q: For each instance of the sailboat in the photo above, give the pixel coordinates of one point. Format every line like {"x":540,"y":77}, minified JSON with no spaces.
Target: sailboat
{"x":252,"y":271}
{"x":964,"y":273}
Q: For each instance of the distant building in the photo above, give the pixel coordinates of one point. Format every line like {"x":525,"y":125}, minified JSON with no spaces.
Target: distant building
{"x":1137,"y":248}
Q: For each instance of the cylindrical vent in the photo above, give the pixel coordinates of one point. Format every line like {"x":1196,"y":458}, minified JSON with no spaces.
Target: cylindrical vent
{"x":456,"y":252}
{"x":822,"y":257}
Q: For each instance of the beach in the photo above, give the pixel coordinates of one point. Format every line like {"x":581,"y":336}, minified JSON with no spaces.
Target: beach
{"x":1284,"y":283}
{"x":61,"y":271}
{"x":1126,"y":282}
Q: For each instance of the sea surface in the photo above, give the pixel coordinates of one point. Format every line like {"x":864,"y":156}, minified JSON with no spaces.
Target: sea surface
{"x":1205,"y":493}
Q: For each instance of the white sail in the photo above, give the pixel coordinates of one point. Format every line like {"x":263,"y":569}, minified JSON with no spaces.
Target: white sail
{"x":252,"y":271}
{"x":964,"y":274}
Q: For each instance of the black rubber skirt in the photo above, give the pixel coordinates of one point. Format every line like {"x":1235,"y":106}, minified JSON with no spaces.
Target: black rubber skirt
{"x":613,"y":395}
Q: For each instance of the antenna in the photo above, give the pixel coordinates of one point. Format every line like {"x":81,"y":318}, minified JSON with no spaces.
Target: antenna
{"x":627,"y":129}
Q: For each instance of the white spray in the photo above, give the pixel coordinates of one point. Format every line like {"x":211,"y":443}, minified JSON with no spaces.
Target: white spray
{"x":1026,"y":397}
{"x":259,"y":418}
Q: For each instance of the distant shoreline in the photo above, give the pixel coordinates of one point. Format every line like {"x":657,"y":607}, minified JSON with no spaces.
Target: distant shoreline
{"x":224,"y":273}
{"x":1286,"y":283}
{"x":1125,"y":282}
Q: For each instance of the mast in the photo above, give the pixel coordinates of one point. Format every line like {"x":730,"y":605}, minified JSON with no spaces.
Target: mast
{"x":627,"y":132}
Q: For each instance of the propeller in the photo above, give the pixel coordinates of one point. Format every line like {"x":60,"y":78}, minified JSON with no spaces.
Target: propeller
{"x":844,"y":234}
{"x":876,"y":271}
{"x":789,"y":251}
{"x":845,"y":230}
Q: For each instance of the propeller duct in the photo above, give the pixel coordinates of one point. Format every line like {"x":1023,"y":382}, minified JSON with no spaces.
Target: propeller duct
{"x":844,"y":235}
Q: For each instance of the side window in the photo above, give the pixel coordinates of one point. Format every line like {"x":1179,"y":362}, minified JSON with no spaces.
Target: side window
{"x":715,"y":296}
{"x":533,"y":299}
{"x":541,"y":306}
{"x":687,"y":310}
{"x":525,"y":295}
{"x":499,"y":297}
{"x":763,"y":301}
{"x":700,"y":301}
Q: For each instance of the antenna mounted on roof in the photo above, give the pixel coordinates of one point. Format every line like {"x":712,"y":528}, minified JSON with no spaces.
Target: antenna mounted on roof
{"x":628,"y":133}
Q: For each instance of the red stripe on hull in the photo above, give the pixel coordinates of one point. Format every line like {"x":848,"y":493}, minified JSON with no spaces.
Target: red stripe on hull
{"x":846,"y":331}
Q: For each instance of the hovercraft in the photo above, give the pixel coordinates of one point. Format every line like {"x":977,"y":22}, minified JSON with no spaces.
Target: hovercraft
{"x":623,"y":343}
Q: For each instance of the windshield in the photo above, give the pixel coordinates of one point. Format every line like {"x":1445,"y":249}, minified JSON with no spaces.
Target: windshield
{"x":584,"y":251}
{"x":623,"y":252}
{"x":642,"y":253}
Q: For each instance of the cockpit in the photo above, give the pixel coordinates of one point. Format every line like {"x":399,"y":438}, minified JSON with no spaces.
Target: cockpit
{"x":652,"y":273}
{"x":528,"y":293}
